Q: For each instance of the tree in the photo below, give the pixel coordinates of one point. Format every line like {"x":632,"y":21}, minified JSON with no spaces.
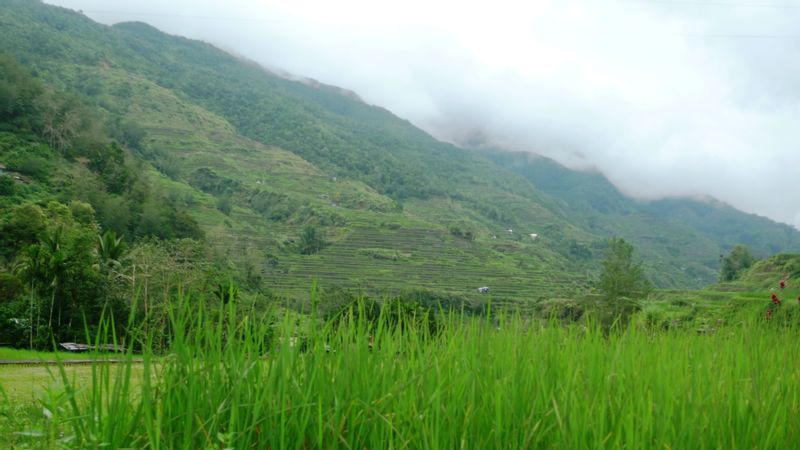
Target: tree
{"x":62,"y":120}
{"x":109,"y":251}
{"x":737,"y":261}
{"x":310,"y":241}
{"x":18,"y":91}
{"x":224,"y":205}
{"x":621,"y":275}
{"x":7,"y":186}
{"x":55,"y":268}
{"x":26,"y":224}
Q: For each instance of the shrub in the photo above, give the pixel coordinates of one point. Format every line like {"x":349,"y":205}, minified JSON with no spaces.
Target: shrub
{"x":7,"y":186}
{"x":10,"y":287}
{"x":310,"y":241}
{"x":224,"y":205}
{"x":31,"y":165}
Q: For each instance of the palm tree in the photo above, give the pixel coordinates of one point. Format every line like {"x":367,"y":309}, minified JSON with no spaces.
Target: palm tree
{"x":55,"y":269}
{"x":30,"y":267}
{"x":44,"y":266}
{"x":109,"y":250}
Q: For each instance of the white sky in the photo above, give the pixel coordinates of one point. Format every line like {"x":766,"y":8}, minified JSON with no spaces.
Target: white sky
{"x":666,"y":97}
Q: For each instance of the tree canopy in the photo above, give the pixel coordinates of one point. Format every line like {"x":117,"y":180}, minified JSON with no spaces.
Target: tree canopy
{"x":622,"y":275}
{"x":737,"y":261}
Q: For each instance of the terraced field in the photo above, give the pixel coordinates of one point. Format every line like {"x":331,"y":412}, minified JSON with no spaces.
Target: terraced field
{"x":379,"y":260}
{"x":375,"y":244}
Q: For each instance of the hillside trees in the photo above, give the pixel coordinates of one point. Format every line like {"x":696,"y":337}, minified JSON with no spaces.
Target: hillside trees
{"x":310,"y":241}
{"x":734,"y":263}
{"x":62,"y":273}
{"x":71,"y":180}
{"x":621,"y":275}
{"x":58,"y":268}
{"x":122,"y":199}
{"x":18,"y":93}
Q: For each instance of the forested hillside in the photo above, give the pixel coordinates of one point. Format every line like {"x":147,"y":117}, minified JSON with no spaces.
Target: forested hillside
{"x":208,"y":165}
{"x":693,"y":233}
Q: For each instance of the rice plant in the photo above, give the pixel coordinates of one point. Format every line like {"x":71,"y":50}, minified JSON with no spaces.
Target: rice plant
{"x":234,"y":379}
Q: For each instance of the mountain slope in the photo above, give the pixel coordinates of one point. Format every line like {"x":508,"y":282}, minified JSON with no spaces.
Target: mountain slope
{"x":677,"y":230}
{"x":254,"y":157}
{"x":430,"y":240}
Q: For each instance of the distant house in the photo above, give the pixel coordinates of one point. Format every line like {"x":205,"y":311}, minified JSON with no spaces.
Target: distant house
{"x":534,"y":236}
{"x":483,"y":290}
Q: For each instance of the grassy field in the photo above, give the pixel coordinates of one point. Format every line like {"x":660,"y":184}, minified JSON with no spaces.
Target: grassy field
{"x":14,"y":354}
{"x":233,"y":381}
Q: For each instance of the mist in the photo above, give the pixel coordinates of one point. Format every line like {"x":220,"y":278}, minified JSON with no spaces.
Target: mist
{"x":666,"y":98}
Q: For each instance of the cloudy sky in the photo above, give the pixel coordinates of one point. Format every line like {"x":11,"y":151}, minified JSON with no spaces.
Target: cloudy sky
{"x":666,"y":97}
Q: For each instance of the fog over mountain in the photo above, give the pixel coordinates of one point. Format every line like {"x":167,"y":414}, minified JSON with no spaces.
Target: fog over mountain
{"x":666,"y":98}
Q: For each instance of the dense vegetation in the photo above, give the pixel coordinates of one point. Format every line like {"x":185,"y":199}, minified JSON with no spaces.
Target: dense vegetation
{"x":234,"y":379}
{"x":255,"y":158}
{"x":688,"y":232}
{"x":159,"y":194}
{"x":68,"y":190}
{"x":128,"y":154}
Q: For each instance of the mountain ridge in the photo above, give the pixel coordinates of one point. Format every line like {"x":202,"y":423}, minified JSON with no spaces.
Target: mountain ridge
{"x":399,"y":209}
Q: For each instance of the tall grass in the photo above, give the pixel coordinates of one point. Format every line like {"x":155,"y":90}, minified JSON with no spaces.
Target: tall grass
{"x":228,"y":383}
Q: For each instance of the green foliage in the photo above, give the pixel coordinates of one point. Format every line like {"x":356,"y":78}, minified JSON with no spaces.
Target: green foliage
{"x":110,"y":250}
{"x":456,"y":231}
{"x":272,"y":205}
{"x":225,"y":205}
{"x":340,"y":307}
{"x":403,"y":315}
{"x":82,"y":212}
{"x":18,"y":93}
{"x":60,"y":267}
{"x":127,"y":133}
{"x":158,"y":269}
{"x":621,"y":275}
{"x":227,"y":292}
{"x":482,"y":383}
{"x":108,"y":161}
{"x":159,"y":218}
{"x":190,"y":120}
{"x":33,"y":165}
{"x":207,"y":180}
{"x":26,"y":224}
{"x":7,"y":186}
{"x":310,"y":241}
{"x":381,"y":253}
{"x":409,"y":310}
{"x":736,"y":262}
{"x":578,"y":250}
{"x":70,"y":274}
{"x":10,"y":287}
{"x":680,"y":238}
{"x":186,"y":227}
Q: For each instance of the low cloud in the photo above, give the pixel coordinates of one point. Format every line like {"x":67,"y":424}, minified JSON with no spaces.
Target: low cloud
{"x":666,"y":98}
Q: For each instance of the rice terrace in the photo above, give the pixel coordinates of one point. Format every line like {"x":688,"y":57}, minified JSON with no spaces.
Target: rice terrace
{"x":526,"y":226}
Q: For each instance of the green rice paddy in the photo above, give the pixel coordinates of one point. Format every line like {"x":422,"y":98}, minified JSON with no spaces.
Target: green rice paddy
{"x":231,"y":380}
